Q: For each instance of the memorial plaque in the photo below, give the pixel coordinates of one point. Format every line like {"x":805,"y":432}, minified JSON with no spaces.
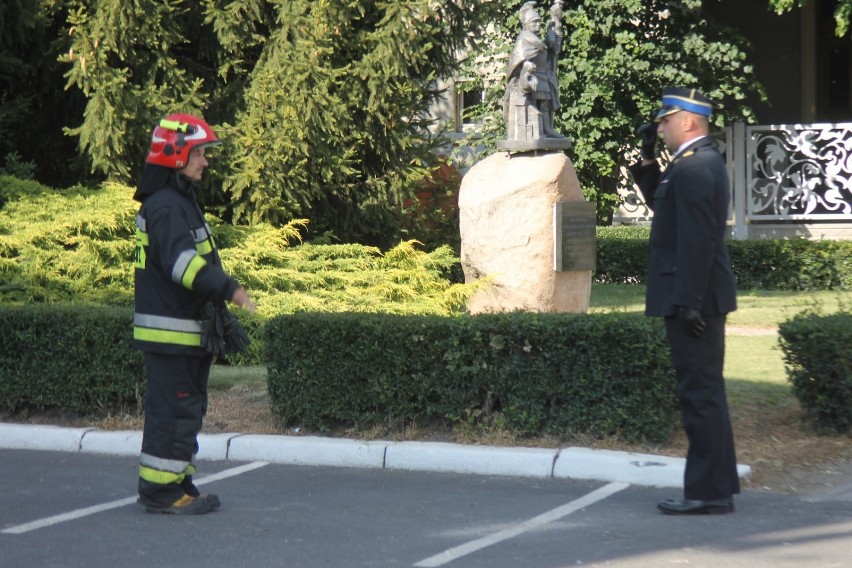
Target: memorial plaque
{"x":574,"y":237}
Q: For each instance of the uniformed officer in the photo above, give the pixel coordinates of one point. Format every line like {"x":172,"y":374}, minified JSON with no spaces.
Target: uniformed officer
{"x":179,"y":282}
{"x":691,"y":285}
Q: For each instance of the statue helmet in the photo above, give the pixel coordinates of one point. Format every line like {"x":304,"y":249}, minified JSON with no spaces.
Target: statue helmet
{"x":528,"y":13}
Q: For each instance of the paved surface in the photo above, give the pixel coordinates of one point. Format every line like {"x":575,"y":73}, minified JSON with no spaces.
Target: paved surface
{"x":70,"y":501}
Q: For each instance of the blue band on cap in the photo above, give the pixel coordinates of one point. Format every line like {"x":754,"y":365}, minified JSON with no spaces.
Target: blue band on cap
{"x":690,"y":105}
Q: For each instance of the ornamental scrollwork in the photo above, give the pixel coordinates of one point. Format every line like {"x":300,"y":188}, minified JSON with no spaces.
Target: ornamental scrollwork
{"x":800,"y":171}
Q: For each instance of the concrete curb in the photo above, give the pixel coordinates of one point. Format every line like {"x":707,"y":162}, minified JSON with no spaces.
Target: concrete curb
{"x":574,"y":463}
{"x":458,"y":458}
{"x":119,"y":443}
{"x":54,"y":438}
{"x":625,"y":467}
{"x":306,"y":450}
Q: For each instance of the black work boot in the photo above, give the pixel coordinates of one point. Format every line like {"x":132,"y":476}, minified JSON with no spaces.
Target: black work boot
{"x":185,"y":505}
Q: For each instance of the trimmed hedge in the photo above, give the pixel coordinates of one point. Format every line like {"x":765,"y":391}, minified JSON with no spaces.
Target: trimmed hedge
{"x":622,"y":255}
{"x":606,"y":374}
{"x":74,"y":358}
{"x":791,"y":264}
{"x":819,"y":364}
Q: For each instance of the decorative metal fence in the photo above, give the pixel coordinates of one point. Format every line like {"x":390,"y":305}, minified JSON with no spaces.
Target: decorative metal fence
{"x":799,"y":171}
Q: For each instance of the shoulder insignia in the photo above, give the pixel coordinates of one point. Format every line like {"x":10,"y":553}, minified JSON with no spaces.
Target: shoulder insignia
{"x":688,"y":154}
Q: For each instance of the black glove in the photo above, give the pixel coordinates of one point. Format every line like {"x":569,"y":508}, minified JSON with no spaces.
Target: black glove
{"x":691,"y":320}
{"x":236,"y":338}
{"x":648,"y":132}
{"x":212,"y":330}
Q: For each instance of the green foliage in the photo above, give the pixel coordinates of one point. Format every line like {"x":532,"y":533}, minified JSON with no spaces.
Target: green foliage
{"x":33,"y":106}
{"x":16,"y":167}
{"x":13,"y":188}
{"x":842,"y":16}
{"x":74,"y":358}
{"x":433,"y":216}
{"x":617,"y":55}
{"x":333,"y":278}
{"x":322,"y":104}
{"x":335,"y":119}
{"x":791,"y":264}
{"x":819,"y":365}
{"x":782,"y":6}
{"x":130,"y":79}
{"x":842,"y":12}
{"x":77,"y":246}
{"x":561,"y":374}
{"x":622,"y":255}
{"x":73,"y":245}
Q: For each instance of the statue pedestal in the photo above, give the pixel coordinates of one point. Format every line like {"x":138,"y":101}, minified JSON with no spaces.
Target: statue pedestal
{"x":506,"y":208}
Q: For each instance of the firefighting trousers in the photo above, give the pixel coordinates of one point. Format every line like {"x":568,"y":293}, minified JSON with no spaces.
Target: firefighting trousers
{"x":175,"y":405}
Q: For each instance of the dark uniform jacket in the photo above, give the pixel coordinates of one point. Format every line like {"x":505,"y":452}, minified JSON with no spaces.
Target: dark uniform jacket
{"x":689,"y":264}
{"x":177,"y":271}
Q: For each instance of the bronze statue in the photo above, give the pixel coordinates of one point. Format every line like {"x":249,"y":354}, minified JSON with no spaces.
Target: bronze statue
{"x":532,"y":89}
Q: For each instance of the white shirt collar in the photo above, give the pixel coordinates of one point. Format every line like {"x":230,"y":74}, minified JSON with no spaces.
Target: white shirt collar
{"x":688,"y":142}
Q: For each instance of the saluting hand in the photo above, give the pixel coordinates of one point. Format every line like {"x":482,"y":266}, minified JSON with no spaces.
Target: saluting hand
{"x":648,"y":132}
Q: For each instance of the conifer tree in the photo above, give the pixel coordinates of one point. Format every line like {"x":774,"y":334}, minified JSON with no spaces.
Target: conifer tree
{"x":33,"y":105}
{"x":335,"y":116}
{"x":322,"y":104}
{"x":133,"y":61}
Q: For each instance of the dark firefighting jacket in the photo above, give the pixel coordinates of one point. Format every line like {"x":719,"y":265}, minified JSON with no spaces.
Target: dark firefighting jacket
{"x":177,"y":271}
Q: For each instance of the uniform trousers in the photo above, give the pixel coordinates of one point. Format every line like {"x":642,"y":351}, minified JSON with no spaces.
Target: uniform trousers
{"x":175,"y":406}
{"x":711,"y":463}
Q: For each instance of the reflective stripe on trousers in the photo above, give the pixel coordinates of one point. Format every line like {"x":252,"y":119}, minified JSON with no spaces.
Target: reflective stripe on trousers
{"x":163,"y":471}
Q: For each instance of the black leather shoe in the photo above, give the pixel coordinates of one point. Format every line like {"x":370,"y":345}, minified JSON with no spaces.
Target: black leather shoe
{"x":696,"y":507}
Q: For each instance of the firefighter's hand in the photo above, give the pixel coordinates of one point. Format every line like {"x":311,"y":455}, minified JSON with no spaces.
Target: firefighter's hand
{"x":241,"y":298}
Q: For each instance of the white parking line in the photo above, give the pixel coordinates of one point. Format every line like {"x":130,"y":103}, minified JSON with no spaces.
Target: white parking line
{"x":543,"y":519}
{"x":80,"y":513}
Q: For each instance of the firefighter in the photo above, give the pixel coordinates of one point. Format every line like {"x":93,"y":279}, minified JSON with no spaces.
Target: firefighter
{"x":180,"y":322}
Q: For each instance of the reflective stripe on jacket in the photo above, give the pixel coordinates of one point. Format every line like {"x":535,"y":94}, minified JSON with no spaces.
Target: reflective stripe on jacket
{"x":161,"y":329}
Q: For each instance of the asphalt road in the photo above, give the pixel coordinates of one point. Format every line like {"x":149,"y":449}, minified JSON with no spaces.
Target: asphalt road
{"x":62,"y":509}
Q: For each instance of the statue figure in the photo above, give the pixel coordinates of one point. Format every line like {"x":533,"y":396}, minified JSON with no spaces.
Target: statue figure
{"x":532,"y":89}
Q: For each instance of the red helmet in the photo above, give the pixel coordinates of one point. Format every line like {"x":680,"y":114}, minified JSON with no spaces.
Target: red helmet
{"x":175,"y":137}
